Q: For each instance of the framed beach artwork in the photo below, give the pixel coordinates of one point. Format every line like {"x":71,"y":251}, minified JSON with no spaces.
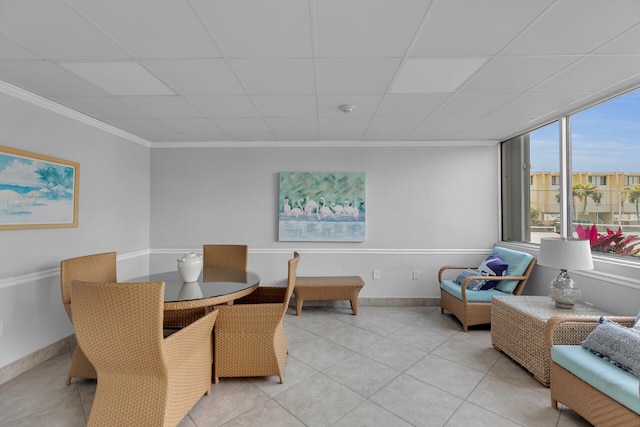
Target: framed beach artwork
{"x":322,"y":206}
{"x":37,"y":191}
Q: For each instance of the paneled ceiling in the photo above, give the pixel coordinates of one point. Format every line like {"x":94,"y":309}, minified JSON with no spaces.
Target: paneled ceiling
{"x":183,"y":71}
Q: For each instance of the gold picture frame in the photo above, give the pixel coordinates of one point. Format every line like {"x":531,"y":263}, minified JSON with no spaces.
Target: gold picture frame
{"x":37,"y":191}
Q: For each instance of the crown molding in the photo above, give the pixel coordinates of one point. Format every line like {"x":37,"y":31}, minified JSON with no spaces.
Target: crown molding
{"x":37,"y":100}
{"x":322,"y":144}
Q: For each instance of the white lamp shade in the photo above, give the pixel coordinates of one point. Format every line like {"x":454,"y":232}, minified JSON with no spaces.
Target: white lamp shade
{"x":567,"y":254}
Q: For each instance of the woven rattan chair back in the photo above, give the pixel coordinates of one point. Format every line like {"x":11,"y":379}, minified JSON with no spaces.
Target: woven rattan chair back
{"x":91,"y":268}
{"x":143,"y":378}
{"x":249,"y":336}
{"x":225,"y":256}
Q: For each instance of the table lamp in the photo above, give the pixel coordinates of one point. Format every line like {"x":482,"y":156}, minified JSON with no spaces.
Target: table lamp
{"x":565,"y":254}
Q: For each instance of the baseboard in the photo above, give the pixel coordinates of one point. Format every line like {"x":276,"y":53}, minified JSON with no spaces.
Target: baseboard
{"x":373,"y":302}
{"x":9,"y":372}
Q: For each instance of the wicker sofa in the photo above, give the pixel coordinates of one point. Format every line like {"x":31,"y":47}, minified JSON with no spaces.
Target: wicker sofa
{"x":599,"y":391}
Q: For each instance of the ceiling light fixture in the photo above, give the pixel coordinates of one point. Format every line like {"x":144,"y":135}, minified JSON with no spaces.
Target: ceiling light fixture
{"x":347,"y":108}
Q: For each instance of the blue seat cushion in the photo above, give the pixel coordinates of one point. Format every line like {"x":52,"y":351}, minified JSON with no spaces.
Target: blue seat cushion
{"x":454,"y":289}
{"x":619,"y":385}
{"x":517,"y":262}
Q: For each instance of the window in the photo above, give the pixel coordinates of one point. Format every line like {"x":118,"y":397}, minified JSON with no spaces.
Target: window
{"x":597,"y":179}
{"x":604,"y":140}
{"x":631,"y":180}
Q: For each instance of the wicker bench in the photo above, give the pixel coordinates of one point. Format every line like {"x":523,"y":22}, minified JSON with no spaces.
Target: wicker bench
{"x":328,"y":288}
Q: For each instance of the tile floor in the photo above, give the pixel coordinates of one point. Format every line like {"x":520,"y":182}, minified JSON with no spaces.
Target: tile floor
{"x":388,"y":366}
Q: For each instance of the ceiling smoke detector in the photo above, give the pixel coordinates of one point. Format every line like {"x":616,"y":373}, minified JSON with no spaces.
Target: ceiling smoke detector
{"x":347,"y":108}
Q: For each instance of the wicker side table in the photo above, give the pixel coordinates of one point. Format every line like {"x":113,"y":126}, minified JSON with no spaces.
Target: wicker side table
{"x":517,"y":329}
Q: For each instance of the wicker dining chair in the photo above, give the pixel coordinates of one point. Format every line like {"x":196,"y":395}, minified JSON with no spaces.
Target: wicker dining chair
{"x":249,"y":339}
{"x":225,"y":256}
{"x":91,"y":268}
{"x":144,"y":379}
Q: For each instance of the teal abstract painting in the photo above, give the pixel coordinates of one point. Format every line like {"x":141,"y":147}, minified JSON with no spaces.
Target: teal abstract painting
{"x":322,"y":207}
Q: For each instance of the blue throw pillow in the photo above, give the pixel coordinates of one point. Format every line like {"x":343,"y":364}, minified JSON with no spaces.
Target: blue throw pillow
{"x":473,"y":285}
{"x":493,"y":266}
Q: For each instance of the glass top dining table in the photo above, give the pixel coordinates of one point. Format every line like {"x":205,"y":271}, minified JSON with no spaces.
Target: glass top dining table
{"x":214,"y":286}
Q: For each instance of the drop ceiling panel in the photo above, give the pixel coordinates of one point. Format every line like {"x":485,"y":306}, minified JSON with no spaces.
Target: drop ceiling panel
{"x":385,"y":30}
{"x":275,"y":76}
{"x":355,"y":76}
{"x":192,"y":125}
{"x":140,"y":126}
{"x":278,"y":70}
{"x":222,"y":106}
{"x":100,"y":106}
{"x":46,"y":79}
{"x":568,"y":27}
{"x":258,"y":28}
{"x":465,"y":28}
{"x":286,"y":105}
{"x":441,"y":127}
{"x":625,"y":43}
{"x":10,"y":50}
{"x":516,"y":74}
{"x":537,"y":104}
{"x":593,"y":74}
{"x":53,"y":29}
{"x":196,"y":76}
{"x":152,"y":28}
{"x":477,"y":103}
{"x":164,"y":107}
{"x":411,"y":104}
{"x":243,"y":125}
{"x":399,"y":125}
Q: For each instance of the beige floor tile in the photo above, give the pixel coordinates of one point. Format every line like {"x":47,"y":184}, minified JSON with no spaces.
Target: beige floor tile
{"x":417,"y":402}
{"x":471,"y":415}
{"x":319,"y":401}
{"x":361,"y":374}
{"x":369,"y":414}
{"x":229,"y":398}
{"x":387,"y":366}
{"x":320,"y":354}
{"x":474,"y":356}
{"x":265,"y":414}
{"x":393,"y":353}
{"x":425,"y":340}
{"x":353,"y":337}
{"x":526,"y":405}
{"x":449,"y":376}
{"x":294,"y":373}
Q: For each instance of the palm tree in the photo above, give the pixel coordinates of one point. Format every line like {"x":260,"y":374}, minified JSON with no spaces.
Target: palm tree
{"x":632,"y":194}
{"x":596,"y":196}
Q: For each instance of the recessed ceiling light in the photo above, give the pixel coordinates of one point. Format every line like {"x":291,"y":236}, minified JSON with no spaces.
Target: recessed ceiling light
{"x":119,"y":78}
{"x":442,"y":75}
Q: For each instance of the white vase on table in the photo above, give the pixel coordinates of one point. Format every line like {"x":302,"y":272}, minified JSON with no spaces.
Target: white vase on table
{"x":190,"y":266}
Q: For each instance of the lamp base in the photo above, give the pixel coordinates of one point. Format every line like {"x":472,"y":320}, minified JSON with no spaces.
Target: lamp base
{"x":564,"y":291}
{"x":565,"y":305}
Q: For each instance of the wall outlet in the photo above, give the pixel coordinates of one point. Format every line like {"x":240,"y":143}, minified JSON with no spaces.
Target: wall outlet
{"x":376,"y":274}
{"x":416,"y":275}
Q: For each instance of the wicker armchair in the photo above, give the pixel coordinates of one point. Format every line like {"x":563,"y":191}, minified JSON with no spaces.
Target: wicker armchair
{"x":91,"y":268}
{"x":474,"y":307}
{"x":144,"y":379}
{"x":225,"y":256}
{"x":249,"y":337}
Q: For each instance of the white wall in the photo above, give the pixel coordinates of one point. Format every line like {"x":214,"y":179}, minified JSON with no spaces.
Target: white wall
{"x":422,"y":203}
{"x":113,"y":216}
